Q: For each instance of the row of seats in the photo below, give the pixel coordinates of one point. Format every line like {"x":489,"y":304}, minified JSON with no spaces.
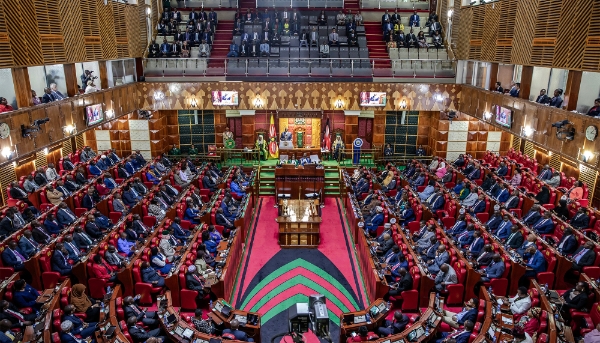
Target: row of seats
{"x":418,"y":54}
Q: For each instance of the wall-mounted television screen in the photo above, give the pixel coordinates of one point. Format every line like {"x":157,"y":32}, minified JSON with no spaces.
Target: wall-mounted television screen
{"x":504,"y":116}
{"x":373,"y":99}
{"x":225,"y":98}
{"x":93,"y":114}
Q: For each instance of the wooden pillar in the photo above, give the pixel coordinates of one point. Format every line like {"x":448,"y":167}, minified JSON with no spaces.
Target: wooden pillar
{"x":103,"y":74}
{"x":526,"y":78}
{"x":493,"y":75}
{"x":71,"y":79}
{"x":572,"y":89}
{"x":139,"y":69}
{"x":22,"y":86}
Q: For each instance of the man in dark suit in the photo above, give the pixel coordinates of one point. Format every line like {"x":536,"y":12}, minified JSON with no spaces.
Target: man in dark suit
{"x":6,"y":224}
{"x":236,"y":333}
{"x":59,"y":260}
{"x":515,"y":239}
{"x":92,"y":229}
{"x":404,"y":284}
{"x":11,"y":313}
{"x":64,"y":215}
{"x":150,"y":276}
{"x":40,"y":177}
{"x":545,"y":224}
{"x":208,"y":183}
{"x":88,"y":199}
{"x":392,"y":327}
{"x":532,"y":216}
{"x":392,"y":256}
{"x":193,"y":282}
{"x":153,"y":49}
{"x":69,"y":183}
{"x":82,"y":239}
{"x":128,"y":198}
{"x":138,"y":334}
{"x":584,"y":256}
{"x":12,"y":257}
{"x":581,"y":220}
{"x":223,"y":221}
{"x":17,"y":192}
{"x":131,"y":309}
{"x":499,"y":88}
{"x":414,"y":20}
{"x":72,"y":249}
{"x":27,"y":246}
{"x":460,"y":336}
{"x":85,"y":330}
{"x":123,"y":173}
{"x":542,"y":98}
{"x":387,"y":244}
{"x":80,"y":177}
{"x":513,"y":200}
{"x":494,"y":270}
{"x":47,"y":97}
{"x":568,"y":242}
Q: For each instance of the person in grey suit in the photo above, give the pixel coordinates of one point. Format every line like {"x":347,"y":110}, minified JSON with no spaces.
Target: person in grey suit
{"x":113,"y":258}
{"x":441,"y":257}
{"x":494,"y":270}
{"x":27,"y":245}
{"x":387,"y":244}
{"x":447,"y":276}
{"x":425,"y":241}
{"x":118,"y":205}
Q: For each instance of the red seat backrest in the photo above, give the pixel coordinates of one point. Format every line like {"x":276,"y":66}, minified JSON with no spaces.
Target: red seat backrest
{"x":543,"y":322}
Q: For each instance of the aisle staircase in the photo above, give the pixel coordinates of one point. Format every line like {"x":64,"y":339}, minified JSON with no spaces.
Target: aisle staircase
{"x":222,"y":39}
{"x":267,"y":181}
{"x":376,"y":45}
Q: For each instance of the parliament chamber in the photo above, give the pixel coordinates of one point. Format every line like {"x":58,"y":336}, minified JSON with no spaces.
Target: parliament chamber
{"x":200,"y":171}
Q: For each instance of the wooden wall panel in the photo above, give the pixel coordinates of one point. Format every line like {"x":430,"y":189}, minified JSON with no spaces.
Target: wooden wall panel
{"x":6,"y":58}
{"x":476,"y":36}
{"x":461,"y":35}
{"x":493,"y":12}
{"x":570,"y":43}
{"x":70,"y":13}
{"x":506,"y":31}
{"x":22,"y":19}
{"x":108,"y":28}
{"x":524,"y":31}
{"x":591,"y":52}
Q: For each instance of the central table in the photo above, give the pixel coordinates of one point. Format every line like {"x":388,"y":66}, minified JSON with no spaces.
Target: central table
{"x":299,"y":223}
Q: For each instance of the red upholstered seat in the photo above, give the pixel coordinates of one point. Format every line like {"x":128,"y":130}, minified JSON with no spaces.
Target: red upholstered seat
{"x":49,"y":278}
{"x":548,"y":275}
{"x":543,"y":322}
{"x":456,"y":291}
{"x":187,"y":296}
{"x":144,"y":289}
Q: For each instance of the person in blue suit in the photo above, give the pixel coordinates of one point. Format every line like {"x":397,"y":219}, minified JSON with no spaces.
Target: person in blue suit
{"x":191,"y":214}
{"x":230,"y":215}
{"x":429,"y":253}
{"x":441,"y":257}
{"x":12,"y":257}
{"x":159,"y":261}
{"x":568,"y":243}
{"x":100,"y":164}
{"x":459,"y":226}
{"x":466,"y":237}
{"x":494,"y":270}
{"x":495,"y":219}
{"x":128,"y":198}
{"x":459,"y":336}
{"x":502,"y":194}
{"x":581,"y":220}
{"x":545,"y":224}
{"x":414,"y":20}
{"x":419,"y":181}
{"x":474,"y":249}
{"x":179,"y":232}
{"x":52,"y":226}
{"x":151,"y":177}
{"x":532,"y":216}
{"x":59,"y":260}
{"x":437,"y":202}
{"x":130,"y":167}
{"x":88,"y":199}
{"x":24,"y":295}
{"x":535,"y":262}
{"x":237,"y":189}
{"x":209,"y":244}
{"x":391,"y":256}
{"x":64,"y":215}
{"x":475,"y":174}
{"x":109,"y":182}
{"x":102,"y":221}
{"x":94,"y":169}
{"x":407,"y":215}
{"x":149,"y":275}
{"x":504,"y":228}
{"x":27,"y":245}
{"x":467,"y":314}
{"x":375,"y":222}
{"x":81,"y":328}
{"x":362,"y":186}
{"x":502,"y":169}
{"x":479,"y":205}
{"x":236,"y":333}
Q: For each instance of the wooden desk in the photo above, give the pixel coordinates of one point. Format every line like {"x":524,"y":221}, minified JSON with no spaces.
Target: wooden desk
{"x":360,"y":319}
{"x":299,"y":181}
{"x":299,"y":223}
{"x":224,"y":287}
{"x":172,"y":279}
{"x":218,"y":318}
{"x":376,"y":285}
{"x":54,"y":304}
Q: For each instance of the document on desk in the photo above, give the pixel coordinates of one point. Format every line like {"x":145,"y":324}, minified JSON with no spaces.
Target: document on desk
{"x":507,"y":320}
{"x":500,"y":302}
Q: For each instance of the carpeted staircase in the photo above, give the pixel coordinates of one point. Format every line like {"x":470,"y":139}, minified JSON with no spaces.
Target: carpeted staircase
{"x":267,"y":180}
{"x":377,"y":47}
{"x":222,"y":39}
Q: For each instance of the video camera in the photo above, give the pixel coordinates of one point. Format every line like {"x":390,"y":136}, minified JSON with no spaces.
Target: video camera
{"x":26,"y":131}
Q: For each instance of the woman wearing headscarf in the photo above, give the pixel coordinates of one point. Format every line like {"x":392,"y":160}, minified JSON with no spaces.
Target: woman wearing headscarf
{"x":543,"y":197}
{"x":83,"y":304}
{"x":261,"y":146}
{"x":441,"y":171}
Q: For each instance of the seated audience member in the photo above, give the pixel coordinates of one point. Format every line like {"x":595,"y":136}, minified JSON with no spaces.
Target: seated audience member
{"x":554,"y":181}
{"x":209,"y":243}
{"x":64,"y":215}
{"x":515,"y":181}
{"x":168,"y":245}
{"x":12,"y":257}
{"x":235,"y":333}
{"x":203,"y":325}
{"x":82,"y":303}
{"x":474,"y":248}
{"x":113,"y":257}
{"x":568,"y":242}
{"x":131,"y":309}
{"x":594,"y":111}
{"x":425,"y":242}
{"x":468,"y":312}
{"x":576,"y":192}
{"x":544,"y":225}
{"x":392,"y":327}
{"x":149,"y":275}
{"x":405,"y":283}
{"x":479,"y":205}
{"x":513,"y":201}
{"x":363,"y":335}
{"x":54,"y":196}
{"x":530,"y":321}
{"x":515,"y":239}
{"x":535,"y":263}
{"x":504,"y":228}
{"x":119,"y":205}
{"x":441,"y":257}
{"x":584,"y":256}
{"x":30,"y":185}
{"x":580,"y":220}
{"x":494,"y":270}
{"x":485,"y":257}
{"x":159,"y":261}
{"x":195,"y":283}
{"x":155,"y":210}
{"x":520,"y":303}
{"x":140,"y":335}
{"x":543,"y":197}
{"x":101,"y":270}
{"x":576,"y":298}
{"x":125,"y":247}
{"x":10,"y":313}
{"x":39,"y":233}
{"x":92,"y":229}
{"x":532,"y":216}
{"x":193,"y":215}
{"x":27,"y":245}
{"x":460,"y":336}
{"x":74,"y":252}
{"x":59,"y":260}
{"x":446,"y":276}
{"x":530,"y":241}
{"x":80,"y":327}
{"x":562,"y":210}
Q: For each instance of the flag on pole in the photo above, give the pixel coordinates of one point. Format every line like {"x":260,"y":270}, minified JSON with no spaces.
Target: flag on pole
{"x":273,"y":149}
{"x":326,"y":137}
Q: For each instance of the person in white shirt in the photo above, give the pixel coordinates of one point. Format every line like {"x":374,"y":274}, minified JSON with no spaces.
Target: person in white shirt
{"x":51,"y":173}
{"x":521,"y":302}
{"x":324,"y":50}
{"x":91,"y":88}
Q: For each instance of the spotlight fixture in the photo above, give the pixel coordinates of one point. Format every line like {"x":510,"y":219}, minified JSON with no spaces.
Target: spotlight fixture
{"x":403,"y":104}
{"x":6,"y":152}
{"x":193,"y":103}
{"x":586,"y":156}
{"x":69,"y":129}
{"x":339,"y":103}
{"x":258,"y":103}
{"x":487,"y":116}
{"x":109,"y":114}
{"x":527,"y":131}
{"x":159,"y":95}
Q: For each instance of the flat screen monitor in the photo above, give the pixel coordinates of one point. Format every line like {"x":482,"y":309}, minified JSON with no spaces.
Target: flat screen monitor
{"x":225,"y":98}
{"x":504,"y":116}
{"x":93,"y":114}
{"x":373,"y":99}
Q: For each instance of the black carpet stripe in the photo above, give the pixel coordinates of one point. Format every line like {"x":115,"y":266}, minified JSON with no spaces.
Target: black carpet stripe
{"x":240,"y":283}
